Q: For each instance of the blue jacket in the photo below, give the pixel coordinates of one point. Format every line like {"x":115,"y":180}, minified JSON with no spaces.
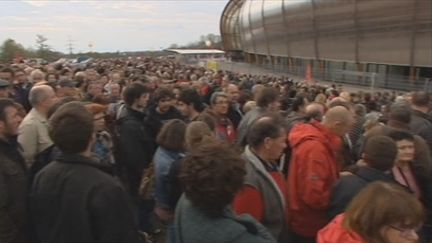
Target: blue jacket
{"x":163,"y":161}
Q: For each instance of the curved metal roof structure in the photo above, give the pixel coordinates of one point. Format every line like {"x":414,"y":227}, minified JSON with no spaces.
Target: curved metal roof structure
{"x":359,"y":31}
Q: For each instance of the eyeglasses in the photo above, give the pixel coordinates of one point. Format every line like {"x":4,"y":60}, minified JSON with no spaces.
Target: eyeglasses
{"x":222,"y":102}
{"x":99,"y":118}
{"x":406,"y":232}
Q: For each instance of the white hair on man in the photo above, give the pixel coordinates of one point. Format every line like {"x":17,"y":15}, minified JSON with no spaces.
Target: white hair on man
{"x":39,"y":93}
{"x":37,"y":76}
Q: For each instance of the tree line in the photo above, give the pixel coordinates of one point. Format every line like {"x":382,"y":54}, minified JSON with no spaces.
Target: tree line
{"x":11,"y":50}
{"x":209,"y":41}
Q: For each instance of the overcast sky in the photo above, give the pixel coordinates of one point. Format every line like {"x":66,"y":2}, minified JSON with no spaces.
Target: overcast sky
{"x":109,"y":25}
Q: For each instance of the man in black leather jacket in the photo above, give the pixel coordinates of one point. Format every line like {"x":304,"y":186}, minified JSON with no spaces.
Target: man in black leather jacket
{"x":13,"y":178}
{"x":136,"y":144}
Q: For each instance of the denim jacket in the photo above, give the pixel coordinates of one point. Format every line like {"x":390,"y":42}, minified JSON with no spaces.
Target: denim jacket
{"x":163,"y":160}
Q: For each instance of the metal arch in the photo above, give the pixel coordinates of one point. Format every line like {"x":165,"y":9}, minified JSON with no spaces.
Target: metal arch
{"x":241,"y":24}
{"x":315,"y":30}
{"x":223,"y":17}
{"x":371,"y":32}
{"x":251,"y":32}
{"x":228,"y":30}
{"x":413,"y":33}
{"x":430,"y":34}
{"x":263,"y":21}
{"x":222,"y":22}
{"x":239,"y":10}
{"x":285,"y":21}
{"x":357,"y":34}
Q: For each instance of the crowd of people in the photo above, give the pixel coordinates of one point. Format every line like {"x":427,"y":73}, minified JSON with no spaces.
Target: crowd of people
{"x":121,"y":148}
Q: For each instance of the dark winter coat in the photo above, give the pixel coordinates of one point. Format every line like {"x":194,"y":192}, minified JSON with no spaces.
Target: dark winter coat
{"x":136,"y":146}
{"x":73,"y":200}
{"x":347,"y":187}
{"x":20,"y":95}
{"x":422,"y":163}
{"x":421,"y":125}
{"x":235,"y":114}
{"x":13,"y":194}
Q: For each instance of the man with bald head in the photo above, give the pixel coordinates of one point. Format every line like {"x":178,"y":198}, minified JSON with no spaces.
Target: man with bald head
{"x":315,"y":111}
{"x":316,"y":149}
{"x":33,"y":131}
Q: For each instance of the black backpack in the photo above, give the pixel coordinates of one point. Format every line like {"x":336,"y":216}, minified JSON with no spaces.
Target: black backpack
{"x":42,"y":159}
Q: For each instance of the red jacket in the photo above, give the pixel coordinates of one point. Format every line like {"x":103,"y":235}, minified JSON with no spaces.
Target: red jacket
{"x":225,"y":130}
{"x":314,"y":168}
{"x":334,"y":232}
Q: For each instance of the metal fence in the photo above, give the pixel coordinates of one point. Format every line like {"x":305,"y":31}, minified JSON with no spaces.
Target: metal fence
{"x":369,"y":80}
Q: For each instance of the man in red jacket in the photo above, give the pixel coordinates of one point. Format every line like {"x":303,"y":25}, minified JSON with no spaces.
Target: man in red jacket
{"x":313,"y":170}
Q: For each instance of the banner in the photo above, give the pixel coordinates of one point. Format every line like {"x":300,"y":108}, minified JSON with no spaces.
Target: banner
{"x":213,"y":65}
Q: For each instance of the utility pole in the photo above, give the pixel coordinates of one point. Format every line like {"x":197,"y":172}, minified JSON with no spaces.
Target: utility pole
{"x":70,"y":45}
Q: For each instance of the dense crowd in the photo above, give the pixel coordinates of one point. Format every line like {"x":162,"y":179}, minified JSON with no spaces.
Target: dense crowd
{"x":117,"y":149}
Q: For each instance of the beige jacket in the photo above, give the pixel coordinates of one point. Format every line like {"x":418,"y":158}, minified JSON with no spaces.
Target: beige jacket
{"x":33,"y":135}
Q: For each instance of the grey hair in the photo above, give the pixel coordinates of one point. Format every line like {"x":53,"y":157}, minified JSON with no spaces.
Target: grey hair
{"x":215,"y":95}
{"x":37,"y":75}
{"x":360,"y":110}
{"x":38,"y":94}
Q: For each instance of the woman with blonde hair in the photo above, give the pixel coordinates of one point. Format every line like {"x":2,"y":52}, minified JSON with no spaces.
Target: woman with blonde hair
{"x":195,"y":132}
{"x":380,"y":213}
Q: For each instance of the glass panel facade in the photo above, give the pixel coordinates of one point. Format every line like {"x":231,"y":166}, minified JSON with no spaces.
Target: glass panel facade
{"x":366,"y":31}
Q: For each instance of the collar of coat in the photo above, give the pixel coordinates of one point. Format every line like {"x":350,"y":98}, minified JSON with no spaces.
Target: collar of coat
{"x":370,"y":174}
{"x":398,"y":125}
{"x":38,"y":116}
{"x":259,"y":167}
{"x":82,"y":160}
{"x":421,"y":114}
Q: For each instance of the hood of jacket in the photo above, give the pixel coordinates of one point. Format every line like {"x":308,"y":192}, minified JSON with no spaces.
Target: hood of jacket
{"x":313,"y":131}
{"x":336,"y":232}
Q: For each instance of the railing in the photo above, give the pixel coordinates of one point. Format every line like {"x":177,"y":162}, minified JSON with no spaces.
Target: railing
{"x":369,"y":80}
